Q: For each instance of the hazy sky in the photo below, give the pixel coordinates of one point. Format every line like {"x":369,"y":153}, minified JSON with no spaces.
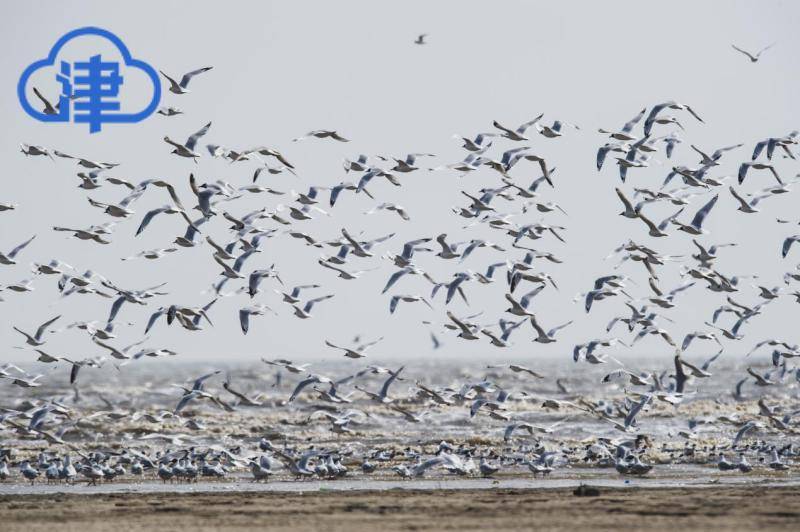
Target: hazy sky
{"x":284,"y":68}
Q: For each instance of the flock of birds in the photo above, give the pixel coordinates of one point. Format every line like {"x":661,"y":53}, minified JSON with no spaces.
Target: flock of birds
{"x":762,"y":430}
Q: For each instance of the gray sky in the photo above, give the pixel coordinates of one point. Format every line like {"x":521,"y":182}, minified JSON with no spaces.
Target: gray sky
{"x":281,"y":69}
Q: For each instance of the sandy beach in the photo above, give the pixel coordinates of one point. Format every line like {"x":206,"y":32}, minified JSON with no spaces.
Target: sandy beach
{"x":717,"y":508}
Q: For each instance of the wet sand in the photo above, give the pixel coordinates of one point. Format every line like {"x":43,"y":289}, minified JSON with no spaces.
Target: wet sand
{"x":717,"y":508}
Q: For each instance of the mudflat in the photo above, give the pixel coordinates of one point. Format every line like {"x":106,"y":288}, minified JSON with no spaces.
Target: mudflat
{"x":674,"y":509}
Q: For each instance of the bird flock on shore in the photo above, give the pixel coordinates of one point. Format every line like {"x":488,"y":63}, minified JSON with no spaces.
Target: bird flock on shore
{"x":515,"y":266}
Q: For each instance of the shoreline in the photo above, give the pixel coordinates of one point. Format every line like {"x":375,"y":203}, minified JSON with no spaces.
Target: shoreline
{"x":748,"y":507}
{"x":560,"y":480}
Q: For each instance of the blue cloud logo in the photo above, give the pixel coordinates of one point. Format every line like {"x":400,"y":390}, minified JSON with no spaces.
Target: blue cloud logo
{"x":90,"y":88}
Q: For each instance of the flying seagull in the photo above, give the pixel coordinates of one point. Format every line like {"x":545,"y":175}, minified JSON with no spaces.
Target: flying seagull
{"x":8,"y":258}
{"x":38,"y":338}
{"x":187,"y":150}
{"x":181,"y":88}
{"x":753,"y":57}
{"x":357,"y":351}
{"x":322,"y":134}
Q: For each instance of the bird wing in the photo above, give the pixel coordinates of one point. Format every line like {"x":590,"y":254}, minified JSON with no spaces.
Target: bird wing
{"x":336,"y":136}
{"x":392,"y":377}
{"x":502,"y":128}
{"x":329,"y":266}
{"x":13,"y":252}
{"x":149,"y":216}
{"x":648,"y":222}
{"x":153,"y":318}
{"x":461,"y":325}
{"x":198,"y":383}
{"x":524,"y":127}
{"x":329,"y":344}
{"x":441,"y":239}
{"x":702,"y":153}
{"x":302,"y":384}
{"x":191,"y":142}
{"x":42,"y":328}
{"x":365,"y":346}
{"x":394,"y":278}
{"x":393,"y":303}
{"x":172,"y":82}
{"x":630,"y":419}
{"x":237,"y":265}
{"x":216,"y":246}
{"x":625,"y":201}
{"x":708,"y":362}
{"x":189,"y":75}
{"x":48,"y":107}
{"x":356,"y":245}
{"x":748,"y":54}
{"x":787,"y":244}
{"x":758,"y":54}
{"x":310,"y":302}
{"x":114,"y":351}
{"x":183,"y":402}
{"x":718,"y":153}
{"x":628,"y":127}
{"x":648,"y":123}
{"x":537,"y":327}
{"x":244,"y":319}
{"x":665,"y":222}
{"x":697,"y":221}
{"x":741,"y":200}
{"x":554,"y":330}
